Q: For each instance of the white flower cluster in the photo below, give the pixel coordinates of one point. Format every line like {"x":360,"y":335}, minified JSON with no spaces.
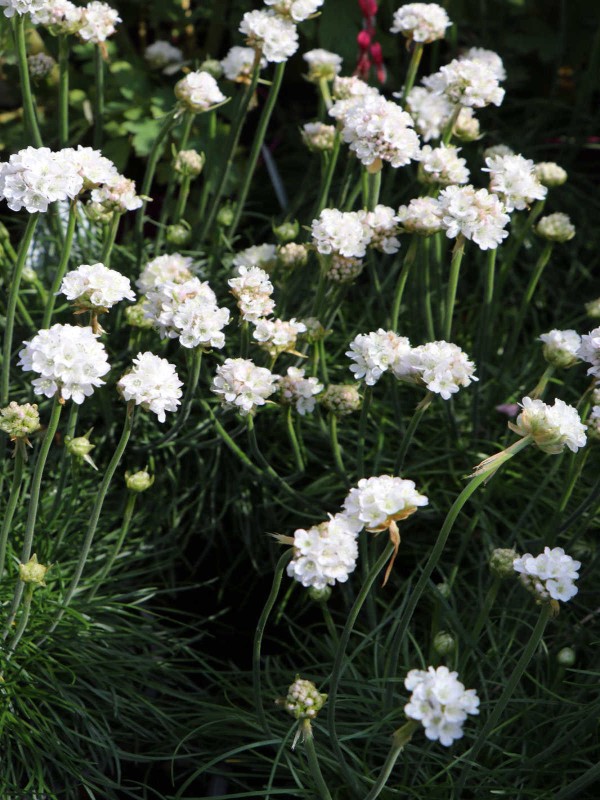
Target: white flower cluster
{"x":556,"y":228}
{"x":552,"y":427}
{"x":303,"y":700}
{"x":317,"y":136}
{"x":375,"y":502}
{"x":383,"y":224}
{"x":187,"y":311}
{"x":153,"y":384}
{"x":198,"y":92}
{"x":239,"y":62}
{"x":374,"y":353}
{"x":467,"y":82}
{"x":172,"y":267}
{"x":59,"y":16}
{"x":297,"y":390}
{"x":96,"y":286}
{"x":561,"y":348}
{"x":278,"y":335}
{"x":488,"y":58}
{"x":259,"y":255}
{"x":440,"y":702}
{"x":342,"y":232}
{"x":98,"y":22}
{"x":432,"y":112}
{"x":421,"y":22}
{"x":69,"y":360}
{"x":252,"y":289}
{"x":423,"y":216}
{"x":275,"y":37}
{"x":35,"y":177}
{"x":325,"y":553}
{"x":475,"y":213}
{"x":242,"y":385}
{"x":513,"y":178}
{"x":91,"y":165}
{"x":377,"y":129}
{"x":442,"y":166}
{"x":298,"y":10}
{"x":12,"y":7}
{"x":163,"y":55}
{"x":117,"y":195}
{"x":322,"y":64}
{"x":550,"y":174}
{"x":589,"y":351}
{"x":550,"y":575}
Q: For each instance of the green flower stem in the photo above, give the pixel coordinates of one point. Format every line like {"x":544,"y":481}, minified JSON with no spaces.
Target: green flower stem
{"x":526,"y":301}
{"x":362,"y":430}
{"x":63,"y":90}
{"x":194,"y":369}
{"x":485,"y":331}
{"x":12,"y":305}
{"x":62,"y":265}
{"x":13,"y":499}
{"x":484,"y":611}
{"x":335,"y":447}
{"x":127,"y":516}
{"x":98,"y":97}
{"x":64,"y":464}
{"x":321,"y":287}
{"x":235,"y":449}
{"x":258,"y":637}
{"x":425,"y":272}
{"x":184,"y":192}
{"x":109,"y":241}
{"x":438,"y":549}
{"x":457,"y":256}
{"x":341,"y":662}
{"x":512,"y":250}
{"x":542,"y":384}
{"x":410,"y":431}
{"x":32,"y":509}
{"x":222,"y":180}
{"x":29,"y":114}
{"x":289,"y":421}
{"x":413,"y":67}
{"x":509,"y":688}
{"x":374,"y":184}
{"x":326,"y":183}
{"x":256,"y":145}
{"x":409,"y":260}
{"x":153,"y":158}
{"x":28,"y":596}
{"x":313,"y":761}
{"x":96,"y":511}
{"x":325,"y":92}
{"x":447,"y":136}
{"x":400,"y":739}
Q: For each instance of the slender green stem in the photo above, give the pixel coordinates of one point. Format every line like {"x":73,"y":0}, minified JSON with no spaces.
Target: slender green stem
{"x":335,"y":447}
{"x":326,"y":184}
{"x":32,"y":509}
{"x":62,"y":265}
{"x":509,"y":688}
{"x":259,"y":137}
{"x":325,"y":93}
{"x":341,"y":662}
{"x":110,"y":239}
{"x":457,"y":255}
{"x":362,"y":430}
{"x":426,"y":285}
{"x":447,"y":136}
{"x":374,"y":180}
{"x":64,"y":462}
{"x":98,"y":97}
{"x":63,"y":90}
{"x":29,"y":114}
{"x":400,"y":739}
{"x":415,"y":60}
{"x":484,"y":612}
{"x":184,"y":192}
{"x":313,"y":761}
{"x":541,"y":385}
{"x":25,"y":611}
{"x":127,"y":516}
{"x":512,"y":250}
{"x":96,"y":511}
{"x":235,"y":449}
{"x":409,"y":260}
{"x":289,"y":421}
{"x":485,"y":333}
{"x":13,"y":499}
{"x":12,"y":305}
{"x":410,"y":431}
{"x":258,"y":637}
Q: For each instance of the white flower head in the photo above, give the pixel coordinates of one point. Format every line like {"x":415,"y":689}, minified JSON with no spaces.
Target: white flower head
{"x":242,"y":385}
{"x":442,"y":166}
{"x":551,"y":575}
{"x":93,"y":168}
{"x":467,"y":82}
{"x":98,"y":22}
{"x":556,"y":228}
{"x":252,"y":289}
{"x":421,"y":22}
{"x":550,"y":174}
{"x":489,"y":59}
{"x":440,"y":702}
{"x":589,"y":351}
{"x":561,"y":347}
{"x":162,"y":55}
{"x":172,"y":267}
{"x":153,"y":384}
{"x":377,"y":502}
{"x":552,"y":427}
{"x":95,"y":286}
{"x":117,"y":195}
{"x":325,"y":553}
{"x":259,"y":255}
{"x":383,"y":224}
{"x":68,"y":359}
{"x":318,"y":137}
{"x":442,"y":367}
{"x":299,"y":391}
{"x":59,"y":16}
{"x":35,"y":177}
{"x":198,"y":92}
{"x":238,"y":64}
{"x":375,"y":353}
{"x":423,"y":216}
{"x":341,"y":232}
{"x":278,"y":335}
{"x":12,"y":7}
{"x":475,"y":213}
{"x":429,"y":111}
{"x":322,"y":65}
{"x":513,"y":178}
{"x":296,"y":10}
{"x":275,"y":37}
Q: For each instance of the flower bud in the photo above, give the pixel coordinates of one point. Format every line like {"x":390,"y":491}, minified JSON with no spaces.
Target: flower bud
{"x":318,"y":137}
{"x":226,"y":215}
{"x":319,"y":595}
{"x":189,"y":162}
{"x":136,"y":317}
{"x":466,"y":127}
{"x":213,"y":67}
{"x":444,"y":589}
{"x":344,"y":269}
{"x":198,"y":92}
{"x":303,"y":700}
{"x":566,"y":657}
{"x":556,"y":228}
{"x":40,"y":65}
{"x":138,"y":481}
{"x":97,"y":212}
{"x":178,"y":235}
{"x":561,"y":347}
{"x":341,"y":399}
{"x":287,"y":231}
{"x":29,"y":275}
{"x":80,"y":447}
{"x":292,"y":255}
{"x":592,"y":308}
{"x":550,"y":174}
{"x":444,"y":643}
{"x":501,"y":562}
{"x":19,"y":421}
{"x":33,"y":572}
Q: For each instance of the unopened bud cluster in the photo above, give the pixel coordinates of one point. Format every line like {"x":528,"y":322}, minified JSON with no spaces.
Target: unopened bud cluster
{"x":341,"y":399}
{"x":138,"y":481}
{"x":189,"y":163}
{"x":33,"y":572}
{"x":556,"y":228}
{"x":304,"y":701}
{"x":19,"y":421}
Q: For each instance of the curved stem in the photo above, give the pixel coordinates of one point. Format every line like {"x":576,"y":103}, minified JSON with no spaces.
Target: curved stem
{"x":313,"y":761}
{"x":410,"y":431}
{"x":289,"y":421}
{"x":23,"y":621}
{"x":362,"y":429}
{"x":335,"y":447}
{"x":258,"y":637}
{"x":63,"y":90}
{"x":447,"y":136}
{"x":409,"y":260}
{"x":457,"y":255}
{"x":62,"y":266}
{"x":127,"y":515}
{"x":13,"y":499}
{"x":110,"y":239}
{"x":96,"y":511}
{"x":184,"y":191}
{"x":29,"y":114}
{"x":400,"y":739}
{"x":415,"y":60}
{"x":326,"y":184}
{"x":513,"y":250}
{"x":98,"y":97}
{"x":11,"y":307}
{"x":256,"y":145}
